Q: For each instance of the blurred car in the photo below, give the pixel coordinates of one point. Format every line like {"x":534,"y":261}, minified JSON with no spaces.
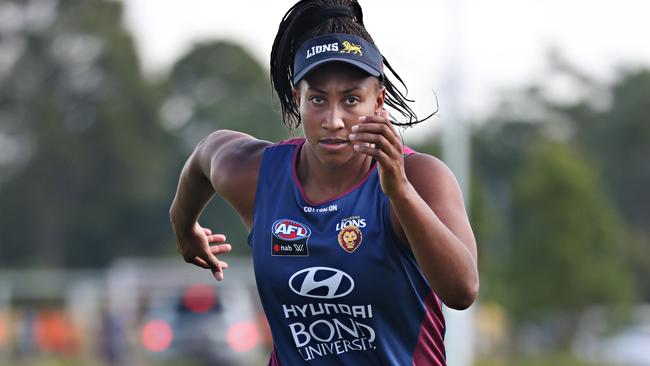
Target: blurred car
{"x":206,"y":323}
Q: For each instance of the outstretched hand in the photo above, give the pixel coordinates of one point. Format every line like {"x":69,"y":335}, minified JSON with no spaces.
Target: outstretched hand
{"x":195,"y":248}
{"x":375,"y":136}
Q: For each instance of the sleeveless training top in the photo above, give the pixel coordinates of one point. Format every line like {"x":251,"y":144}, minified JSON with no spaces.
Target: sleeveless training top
{"x":336,"y":284}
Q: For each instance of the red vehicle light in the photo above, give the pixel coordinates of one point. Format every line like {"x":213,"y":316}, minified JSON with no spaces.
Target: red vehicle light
{"x":199,"y":298}
{"x":157,"y":336}
{"x":243,"y":336}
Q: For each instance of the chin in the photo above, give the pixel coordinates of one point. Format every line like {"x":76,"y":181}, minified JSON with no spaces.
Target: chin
{"x":336,"y":158}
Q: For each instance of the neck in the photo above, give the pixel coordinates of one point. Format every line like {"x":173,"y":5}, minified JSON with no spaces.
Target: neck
{"x":321,"y":182}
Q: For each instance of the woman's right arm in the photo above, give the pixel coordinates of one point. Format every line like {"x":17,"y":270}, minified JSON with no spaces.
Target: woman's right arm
{"x":225,"y":163}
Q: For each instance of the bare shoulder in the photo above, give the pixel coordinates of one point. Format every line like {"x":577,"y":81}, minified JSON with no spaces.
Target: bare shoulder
{"x":234,"y":159}
{"x":430,"y":176}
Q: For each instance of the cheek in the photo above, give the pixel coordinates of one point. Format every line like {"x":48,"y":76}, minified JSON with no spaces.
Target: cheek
{"x":369,"y":106}
{"x":310,"y":125}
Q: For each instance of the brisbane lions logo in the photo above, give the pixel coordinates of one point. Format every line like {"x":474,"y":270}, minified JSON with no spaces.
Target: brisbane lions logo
{"x":349,"y":47}
{"x":349,"y":238}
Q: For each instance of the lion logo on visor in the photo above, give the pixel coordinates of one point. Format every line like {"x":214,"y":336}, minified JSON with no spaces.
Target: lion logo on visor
{"x":349,"y":47}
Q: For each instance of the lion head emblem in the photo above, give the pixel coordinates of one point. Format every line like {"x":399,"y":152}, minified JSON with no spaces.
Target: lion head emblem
{"x":350,"y":238}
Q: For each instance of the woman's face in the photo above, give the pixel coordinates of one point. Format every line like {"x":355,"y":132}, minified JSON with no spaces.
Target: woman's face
{"x":331,"y":99}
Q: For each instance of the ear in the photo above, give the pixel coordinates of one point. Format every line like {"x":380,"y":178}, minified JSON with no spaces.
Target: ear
{"x":379,"y":102}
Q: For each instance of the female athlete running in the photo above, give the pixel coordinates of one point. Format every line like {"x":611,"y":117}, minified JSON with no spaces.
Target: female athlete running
{"x":356,"y":239}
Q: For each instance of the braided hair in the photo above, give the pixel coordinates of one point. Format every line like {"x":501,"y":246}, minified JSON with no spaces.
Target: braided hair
{"x":311,"y":18}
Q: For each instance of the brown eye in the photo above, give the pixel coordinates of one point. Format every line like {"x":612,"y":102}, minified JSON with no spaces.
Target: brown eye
{"x":317,"y":99}
{"x":351,"y":100}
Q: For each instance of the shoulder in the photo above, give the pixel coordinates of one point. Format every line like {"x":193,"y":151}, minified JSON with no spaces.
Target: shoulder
{"x":234,"y":157}
{"x":432,"y":179}
{"x":424,"y":167}
{"x":233,"y":144}
{"x":231,"y":160}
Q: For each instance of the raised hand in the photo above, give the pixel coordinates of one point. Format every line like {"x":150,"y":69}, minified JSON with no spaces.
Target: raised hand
{"x":375,"y":136}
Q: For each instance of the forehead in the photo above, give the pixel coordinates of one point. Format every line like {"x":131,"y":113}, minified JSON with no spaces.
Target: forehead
{"x":339,"y":74}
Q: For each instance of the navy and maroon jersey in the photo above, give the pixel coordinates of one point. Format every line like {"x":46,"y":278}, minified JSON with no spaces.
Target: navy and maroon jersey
{"x":336,"y":284}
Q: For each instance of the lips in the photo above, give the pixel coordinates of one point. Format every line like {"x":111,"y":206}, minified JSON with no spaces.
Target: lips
{"x":333,"y":144}
{"x":333,"y":141}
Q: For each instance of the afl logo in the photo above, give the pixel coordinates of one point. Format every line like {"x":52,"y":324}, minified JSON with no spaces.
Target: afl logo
{"x":321,"y":283}
{"x":290,"y":230}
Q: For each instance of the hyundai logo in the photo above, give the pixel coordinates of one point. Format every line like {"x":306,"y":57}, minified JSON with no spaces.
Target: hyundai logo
{"x":321,"y":283}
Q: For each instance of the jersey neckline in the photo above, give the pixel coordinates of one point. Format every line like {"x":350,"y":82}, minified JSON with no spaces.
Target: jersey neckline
{"x":298,"y":143}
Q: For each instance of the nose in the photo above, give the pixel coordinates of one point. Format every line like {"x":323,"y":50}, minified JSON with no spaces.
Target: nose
{"x":333,"y":119}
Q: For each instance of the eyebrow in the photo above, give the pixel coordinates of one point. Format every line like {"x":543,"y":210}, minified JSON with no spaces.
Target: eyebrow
{"x":346,"y":91}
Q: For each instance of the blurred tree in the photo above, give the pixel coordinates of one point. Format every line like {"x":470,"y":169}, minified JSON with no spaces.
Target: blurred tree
{"x":568,"y":239}
{"x":609,"y":122}
{"x":218,"y":85}
{"x":83,"y":162}
{"x":605,"y":121}
{"x":499,"y":150}
{"x":559,"y":200}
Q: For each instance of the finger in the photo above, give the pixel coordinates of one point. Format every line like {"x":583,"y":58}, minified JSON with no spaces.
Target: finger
{"x":390,"y":124}
{"x":383,"y":115}
{"x":214,"y":265}
{"x":220,"y":249}
{"x":377,"y":154}
{"x":391,"y":148}
{"x":370,"y":138}
{"x":216,"y":238}
{"x":381,"y":118}
{"x":203,"y":264}
{"x":207,"y":231}
{"x":379,"y":125}
{"x":218,"y":275}
{"x":378,"y":143}
{"x":199,"y":262}
{"x":203,"y":253}
{"x":378,"y":128}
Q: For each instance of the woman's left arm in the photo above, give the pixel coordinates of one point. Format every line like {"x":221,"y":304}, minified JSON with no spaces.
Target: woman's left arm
{"x":428,"y":212}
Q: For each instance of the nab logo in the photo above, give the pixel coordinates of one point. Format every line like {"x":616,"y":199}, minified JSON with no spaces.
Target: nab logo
{"x":290,"y":230}
{"x":321,"y":283}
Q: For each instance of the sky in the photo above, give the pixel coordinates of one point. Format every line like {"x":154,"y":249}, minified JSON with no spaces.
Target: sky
{"x":480,"y":47}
